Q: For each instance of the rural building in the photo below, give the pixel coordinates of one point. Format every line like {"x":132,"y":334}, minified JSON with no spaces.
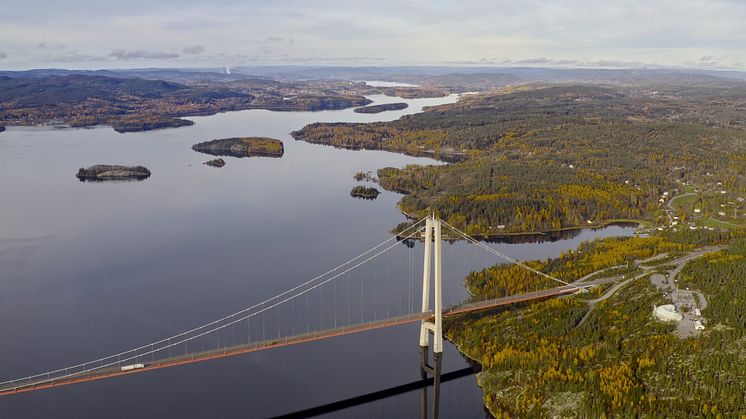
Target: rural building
{"x":667,"y":313}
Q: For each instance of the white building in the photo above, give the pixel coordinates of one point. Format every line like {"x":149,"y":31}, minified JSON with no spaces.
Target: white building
{"x":698,"y":325}
{"x":667,"y":313}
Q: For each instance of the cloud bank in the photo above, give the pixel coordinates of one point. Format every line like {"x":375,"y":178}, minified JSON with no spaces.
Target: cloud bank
{"x":656,"y":33}
{"x":193,"y":50}
{"x":123,"y":54}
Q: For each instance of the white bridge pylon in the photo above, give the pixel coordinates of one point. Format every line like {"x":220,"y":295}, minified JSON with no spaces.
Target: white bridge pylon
{"x":432,"y":231}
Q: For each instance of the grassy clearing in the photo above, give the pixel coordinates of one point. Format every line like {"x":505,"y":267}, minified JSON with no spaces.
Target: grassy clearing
{"x":711,"y":222}
{"x":684,"y":200}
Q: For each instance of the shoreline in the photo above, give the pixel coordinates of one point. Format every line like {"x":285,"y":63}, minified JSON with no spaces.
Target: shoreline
{"x":640,"y":224}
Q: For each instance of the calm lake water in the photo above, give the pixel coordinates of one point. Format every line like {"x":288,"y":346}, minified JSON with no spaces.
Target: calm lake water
{"x":90,"y":269}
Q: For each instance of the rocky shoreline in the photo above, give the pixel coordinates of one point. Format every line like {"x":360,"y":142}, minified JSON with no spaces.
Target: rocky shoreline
{"x":108,"y":173}
{"x":215,"y":163}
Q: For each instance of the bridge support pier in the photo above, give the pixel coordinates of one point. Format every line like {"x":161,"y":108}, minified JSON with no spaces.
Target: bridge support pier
{"x":434,"y":327}
{"x":432,"y":236}
{"x":427,"y":370}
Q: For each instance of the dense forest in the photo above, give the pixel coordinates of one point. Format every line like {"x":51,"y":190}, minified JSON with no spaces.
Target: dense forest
{"x":540,"y":360}
{"x":544,"y":157}
{"x":547,"y":157}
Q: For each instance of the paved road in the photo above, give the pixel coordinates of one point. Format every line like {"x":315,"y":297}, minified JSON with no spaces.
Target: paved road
{"x":671,"y":208}
{"x":680,"y":262}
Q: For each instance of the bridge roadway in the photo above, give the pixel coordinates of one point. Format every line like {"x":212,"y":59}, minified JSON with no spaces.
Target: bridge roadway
{"x":101,"y":373}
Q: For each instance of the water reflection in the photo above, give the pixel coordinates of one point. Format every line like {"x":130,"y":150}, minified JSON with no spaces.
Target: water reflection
{"x":113,"y":180}
{"x":551,"y":236}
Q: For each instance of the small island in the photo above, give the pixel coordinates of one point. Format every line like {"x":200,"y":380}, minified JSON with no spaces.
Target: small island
{"x":110,"y":173}
{"x":382,"y":108}
{"x":215,"y":163}
{"x":364,"y":192}
{"x":364,"y":177}
{"x":242,"y":147}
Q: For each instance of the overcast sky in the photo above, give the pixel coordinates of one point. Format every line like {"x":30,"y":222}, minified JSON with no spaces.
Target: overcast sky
{"x":568,"y":33}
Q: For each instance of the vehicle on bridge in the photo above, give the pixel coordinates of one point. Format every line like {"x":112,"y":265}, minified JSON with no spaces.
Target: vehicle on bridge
{"x":133,"y":367}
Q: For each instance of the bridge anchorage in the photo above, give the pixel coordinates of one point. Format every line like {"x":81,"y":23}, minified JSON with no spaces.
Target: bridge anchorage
{"x":435,"y":327}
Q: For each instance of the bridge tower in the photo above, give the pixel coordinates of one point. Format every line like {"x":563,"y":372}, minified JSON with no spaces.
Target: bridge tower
{"x":432,"y":237}
{"x":432,"y":231}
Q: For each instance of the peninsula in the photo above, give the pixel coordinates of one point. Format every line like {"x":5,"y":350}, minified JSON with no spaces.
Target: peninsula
{"x":536,"y":158}
{"x":382,"y":108}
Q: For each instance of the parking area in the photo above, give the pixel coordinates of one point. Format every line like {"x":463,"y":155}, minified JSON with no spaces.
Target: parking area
{"x":688,"y":303}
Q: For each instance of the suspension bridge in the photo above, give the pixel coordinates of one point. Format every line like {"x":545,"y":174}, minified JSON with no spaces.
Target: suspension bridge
{"x":210,"y":341}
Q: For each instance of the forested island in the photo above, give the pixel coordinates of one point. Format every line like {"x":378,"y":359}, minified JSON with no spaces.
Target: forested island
{"x":364,"y":177}
{"x":215,"y":163}
{"x":242,"y":147}
{"x":107,"y":173}
{"x":382,"y":108}
{"x":364,"y":192}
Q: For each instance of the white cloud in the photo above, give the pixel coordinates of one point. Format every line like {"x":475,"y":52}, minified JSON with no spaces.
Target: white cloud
{"x":123,"y":54}
{"x":50,"y":45}
{"x":72,"y":57}
{"x":193,"y":50}
{"x":539,"y":60}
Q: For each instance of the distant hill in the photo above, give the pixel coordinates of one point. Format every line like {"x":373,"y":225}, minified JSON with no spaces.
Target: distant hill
{"x":169,"y":74}
{"x":57,"y":90}
{"x":474,"y":82}
{"x":127,"y":104}
{"x":139,"y":104}
{"x":47,"y":72}
{"x":461,"y":77}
